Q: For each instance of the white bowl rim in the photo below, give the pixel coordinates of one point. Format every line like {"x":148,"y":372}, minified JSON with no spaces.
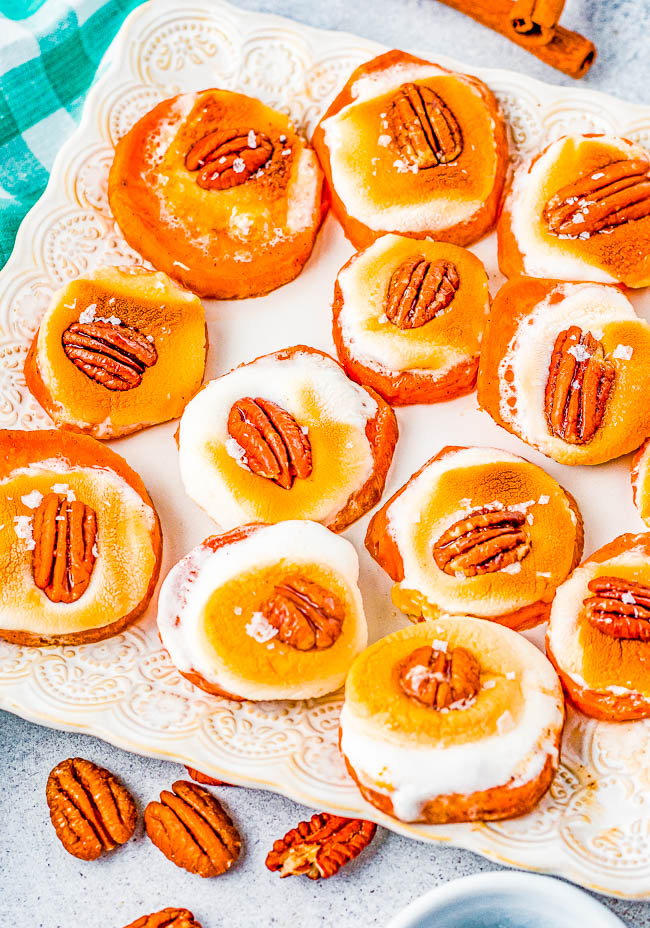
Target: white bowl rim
{"x":516,"y":882}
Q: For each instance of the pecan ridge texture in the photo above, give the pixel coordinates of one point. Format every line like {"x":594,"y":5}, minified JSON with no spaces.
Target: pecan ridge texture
{"x":579,"y":384}
{"x":166,"y":918}
{"x":308,"y":617}
{"x":424,"y":128}
{"x":601,"y":200}
{"x":439,"y":679}
{"x":273,"y":443}
{"x":115,"y":356}
{"x":419,"y":290}
{"x":90,"y":809}
{"x":193,"y":830}
{"x":619,"y":608}
{"x":320,"y":847}
{"x":65,"y":534}
{"x":228,"y":158}
{"x":484,"y":541}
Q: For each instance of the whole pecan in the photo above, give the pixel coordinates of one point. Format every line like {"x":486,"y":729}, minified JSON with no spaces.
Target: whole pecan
{"x":65,"y":534}
{"x":273,"y":443}
{"x":227,"y":158}
{"x":438,"y":679}
{"x":320,"y":847}
{"x":308,"y":617}
{"x":115,"y":356}
{"x":619,"y":608}
{"x":602,"y":199}
{"x":484,"y":541}
{"x":578,"y":386}
{"x":419,"y":290}
{"x":90,"y":809}
{"x":424,"y":128}
{"x":167,"y":918}
{"x":192,"y":830}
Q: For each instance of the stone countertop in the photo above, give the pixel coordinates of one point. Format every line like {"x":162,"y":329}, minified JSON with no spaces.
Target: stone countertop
{"x":43,"y":887}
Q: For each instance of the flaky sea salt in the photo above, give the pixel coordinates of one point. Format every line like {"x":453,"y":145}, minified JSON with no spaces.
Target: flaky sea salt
{"x":32,"y":500}
{"x":235,"y":450}
{"x":88,"y":315}
{"x":24,"y":530}
{"x":260,"y":629}
{"x":239,"y":166}
{"x":623,"y":352}
{"x":439,"y":645}
{"x":580,"y":353}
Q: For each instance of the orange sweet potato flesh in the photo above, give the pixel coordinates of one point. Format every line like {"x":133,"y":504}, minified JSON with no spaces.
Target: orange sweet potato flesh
{"x":20,"y":450}
{"x":185,"y":230}
{"x":461,"y":233}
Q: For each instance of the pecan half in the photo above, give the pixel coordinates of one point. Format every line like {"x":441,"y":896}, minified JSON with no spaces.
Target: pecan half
{"x":192,"y":830}
{"x":227,"y":158}
{"x":90,"y":809}
{"x":578,"y":386}
{"x":65,"y":533}
{"x":424,"y":128}
{"x":308,"y":617}
{"x":116,"y":356}
{"x":167,"y":918}
{"x":485,"y":541}
{"x":619,"y":608}
{"x":419,"y":290}
{"x":273,"y":443}
{"x":320,"y":847}
{"x":607,"y":197}
{"x":203,"y":778}
{"x":438,"y":679}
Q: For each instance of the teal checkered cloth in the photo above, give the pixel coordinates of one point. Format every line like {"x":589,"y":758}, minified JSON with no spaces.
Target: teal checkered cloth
{"x":49,"y":53}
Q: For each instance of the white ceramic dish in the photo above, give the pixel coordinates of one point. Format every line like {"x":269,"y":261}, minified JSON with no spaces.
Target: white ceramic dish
{"x":594,"y":825}
{"x":505,"y":900}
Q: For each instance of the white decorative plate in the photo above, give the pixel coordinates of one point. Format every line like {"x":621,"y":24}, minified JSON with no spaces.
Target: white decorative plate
{"x":594,"y":825}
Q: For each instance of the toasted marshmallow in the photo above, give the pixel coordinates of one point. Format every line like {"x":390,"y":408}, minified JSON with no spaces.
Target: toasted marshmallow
{"x":333,"y":414}
{"x":212,"y":621}
{"x":434,"y":360}
{"x":617,"y":253}
{"x":467,"y":760}
{"x":605,"y":672}
{"x":406,"y":537}
{"x":515,"y":371}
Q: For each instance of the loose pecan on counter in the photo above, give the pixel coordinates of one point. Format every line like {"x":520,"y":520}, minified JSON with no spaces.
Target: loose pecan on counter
{"x":90,"y":809}
{"x":228,"y":158}
{"x":424,"y":128}
{"x":484,"y":541}
{"x":192,"y":830}
{"x":273,"y":444}
{"x":438,"y":679}
{"x":308,"y":617}
{"x":64,"y":547}
{"x":603,"y":199}
{"x":579,"y":383}
{"x":116,"y":356}
{"x":320,"y":847}
{"x":167,"y":918}
{"x":619,"y":608}
{"x":203,"y":778}
{"x":419,"y":290}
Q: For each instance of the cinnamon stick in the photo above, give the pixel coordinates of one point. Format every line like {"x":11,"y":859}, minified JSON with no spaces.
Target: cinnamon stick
{"x":569,"y":52}
{"x":537,"y":20}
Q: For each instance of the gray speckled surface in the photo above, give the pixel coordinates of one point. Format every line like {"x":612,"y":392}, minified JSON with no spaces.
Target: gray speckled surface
{"x":40,"y":885}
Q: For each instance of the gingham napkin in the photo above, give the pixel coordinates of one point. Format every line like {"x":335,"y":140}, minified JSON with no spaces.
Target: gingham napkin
{"x":47,"y":62}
